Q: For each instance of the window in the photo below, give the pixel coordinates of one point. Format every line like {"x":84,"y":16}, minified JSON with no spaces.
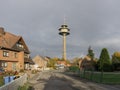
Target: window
{"x":5,"y":53}
{"x":4,"y":64}
{"x":26,"y":56}
{"x":15,"y":55}
{"x":14,"y":66}
{"x":20,"y":45}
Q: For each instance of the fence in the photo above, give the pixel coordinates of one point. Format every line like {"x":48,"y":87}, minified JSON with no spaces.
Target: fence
{"x":13,"y":85}
{"x":101,"y":77}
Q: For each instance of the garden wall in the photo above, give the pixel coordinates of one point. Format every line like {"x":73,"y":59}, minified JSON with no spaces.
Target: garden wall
{"x":13,"y":85}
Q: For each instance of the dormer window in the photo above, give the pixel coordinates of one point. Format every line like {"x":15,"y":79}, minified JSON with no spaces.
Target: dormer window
{"x":20,"y":45}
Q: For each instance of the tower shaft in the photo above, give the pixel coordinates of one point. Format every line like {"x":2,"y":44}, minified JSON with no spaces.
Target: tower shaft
{"x":64,"y":46}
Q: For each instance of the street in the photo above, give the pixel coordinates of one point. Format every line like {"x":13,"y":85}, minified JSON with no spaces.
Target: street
{"x":53,"y":80}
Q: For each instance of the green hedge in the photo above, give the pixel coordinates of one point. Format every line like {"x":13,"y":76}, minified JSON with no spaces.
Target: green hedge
{"x":73,"y":68}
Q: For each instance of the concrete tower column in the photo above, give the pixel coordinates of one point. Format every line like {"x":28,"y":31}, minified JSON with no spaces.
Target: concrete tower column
{"x":64,"y":46}
{"x":64,"y":31}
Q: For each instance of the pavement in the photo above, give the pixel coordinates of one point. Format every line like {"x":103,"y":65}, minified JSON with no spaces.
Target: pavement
{"x":39,"y":80}
{"x":54,"y":80}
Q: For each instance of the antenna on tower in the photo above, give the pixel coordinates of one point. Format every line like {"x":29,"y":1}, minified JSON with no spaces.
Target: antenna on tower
{"x":64,"y":19}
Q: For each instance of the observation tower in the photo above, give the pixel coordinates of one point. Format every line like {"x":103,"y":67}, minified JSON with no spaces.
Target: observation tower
{"x":64,"y":31}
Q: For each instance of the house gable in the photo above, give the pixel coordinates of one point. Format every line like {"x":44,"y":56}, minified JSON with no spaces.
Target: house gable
{"x":12,"y":42}
{"x":20,"y":45}
{"x":39,"y":60}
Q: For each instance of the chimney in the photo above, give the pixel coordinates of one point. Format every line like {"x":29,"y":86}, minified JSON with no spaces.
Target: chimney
{"x":2,"y":32}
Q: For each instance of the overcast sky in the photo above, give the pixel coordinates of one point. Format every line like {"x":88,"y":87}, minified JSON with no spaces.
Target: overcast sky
{"x":94,"y":23}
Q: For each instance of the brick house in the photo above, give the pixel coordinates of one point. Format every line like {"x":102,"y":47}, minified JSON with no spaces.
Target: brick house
{"x":40,"y":62}
{"x":14,"y":53}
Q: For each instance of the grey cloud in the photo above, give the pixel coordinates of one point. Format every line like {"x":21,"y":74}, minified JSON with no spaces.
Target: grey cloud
{"x":91,"y":22}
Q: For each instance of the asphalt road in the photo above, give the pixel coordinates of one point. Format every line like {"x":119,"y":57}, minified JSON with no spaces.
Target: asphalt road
{"x":54,"y":80}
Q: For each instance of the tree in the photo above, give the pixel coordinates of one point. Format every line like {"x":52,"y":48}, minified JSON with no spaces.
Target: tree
{"x":117,"y":56}
{"x":104,"y":63}
{"x":67,"y":61}
{"x":90,"y":53}
{"x":116,"y":60}
{"x":52,"y":62}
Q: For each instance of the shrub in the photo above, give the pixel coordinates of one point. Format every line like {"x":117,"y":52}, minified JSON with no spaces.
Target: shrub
{"x":1,"y":80}
{"x":73,"y":68}
{"x":107,"y":67}
{"x":21,"y":70}
{"x":8,"y":73}
{"x":24,"y":87}
{"x":116,"y":66}
{"x":34,"y":71}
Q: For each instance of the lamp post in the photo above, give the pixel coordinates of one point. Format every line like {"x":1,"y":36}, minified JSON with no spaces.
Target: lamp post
{"x":64,"y":31}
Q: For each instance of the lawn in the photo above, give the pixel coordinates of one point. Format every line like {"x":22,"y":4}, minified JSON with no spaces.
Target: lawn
{"x":111,"y":78}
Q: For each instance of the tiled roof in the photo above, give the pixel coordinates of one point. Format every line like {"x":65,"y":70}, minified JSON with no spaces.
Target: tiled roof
{"x":9,"y":40}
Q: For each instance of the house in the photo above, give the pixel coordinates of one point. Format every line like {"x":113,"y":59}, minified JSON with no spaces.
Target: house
{"x":86,"y":63}
{"x":62,"y":64}
{"x":14,"y":53}
{"x":40,"y":62}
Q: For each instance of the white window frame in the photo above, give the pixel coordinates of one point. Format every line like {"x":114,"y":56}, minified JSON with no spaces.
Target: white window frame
{"x":4,"y":64}
{"x":5,"y":54}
